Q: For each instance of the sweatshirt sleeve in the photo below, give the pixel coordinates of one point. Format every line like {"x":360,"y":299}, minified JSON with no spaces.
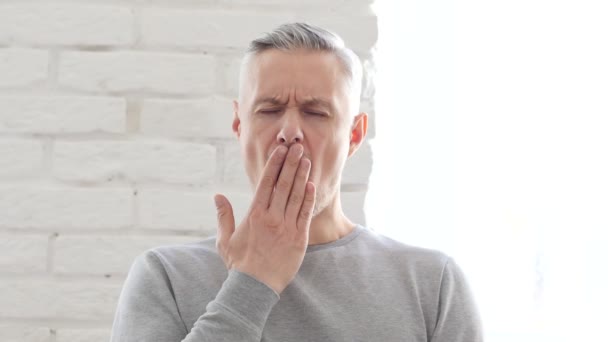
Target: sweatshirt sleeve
{"x":458,"y":319}
{"x":147,"y":309}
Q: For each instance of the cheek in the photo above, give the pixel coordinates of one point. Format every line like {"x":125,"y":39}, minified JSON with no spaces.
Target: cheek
{"x":328,"y":164}
{"x":255,"y":156}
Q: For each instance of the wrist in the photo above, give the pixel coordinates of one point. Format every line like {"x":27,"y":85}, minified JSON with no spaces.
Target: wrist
{"x":274,"y":283}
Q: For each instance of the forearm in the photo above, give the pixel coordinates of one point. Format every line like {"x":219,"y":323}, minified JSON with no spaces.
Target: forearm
{"x":238,"y":313}
{"x":147,"y":309}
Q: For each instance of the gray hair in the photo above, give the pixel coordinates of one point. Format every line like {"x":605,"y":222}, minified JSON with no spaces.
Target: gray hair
{"x":293,"y":36}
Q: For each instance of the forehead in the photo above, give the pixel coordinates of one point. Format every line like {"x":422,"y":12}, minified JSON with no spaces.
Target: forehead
{"x":305,"y":74}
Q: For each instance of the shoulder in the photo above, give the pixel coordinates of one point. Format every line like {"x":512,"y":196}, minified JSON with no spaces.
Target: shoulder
{"x":406,"y":259}
{"x":196,"y":256}
{"x":203,"y":248}
{"x":385,"y":244}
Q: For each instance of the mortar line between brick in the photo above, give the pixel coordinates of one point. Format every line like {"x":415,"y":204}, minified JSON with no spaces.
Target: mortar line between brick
{"x":137,"y":32}
{"x":53,"y":334}
{"x":48,"y":147}
{"x":50,"y":256}
{"x":53,"y":69}
{"x":135,"y":220}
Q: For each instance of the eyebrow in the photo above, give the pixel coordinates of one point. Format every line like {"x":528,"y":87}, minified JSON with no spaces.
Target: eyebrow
{"x":309,"y":102}
{"x":270,"y":100}
{"x":318,"y":101}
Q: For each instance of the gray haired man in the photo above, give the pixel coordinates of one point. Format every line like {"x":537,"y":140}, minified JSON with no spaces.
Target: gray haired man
{"x":296,"y":268}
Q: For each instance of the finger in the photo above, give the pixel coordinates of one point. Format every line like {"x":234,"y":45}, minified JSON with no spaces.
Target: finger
{"x":294,"y":204}
{"x":225,"y":220}
{"x":285,"y":181}
{"x":306,"y":212}
{"x":269,"y":177}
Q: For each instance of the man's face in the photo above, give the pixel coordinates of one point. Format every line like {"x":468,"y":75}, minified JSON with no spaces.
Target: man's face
{"x":297,"y":97}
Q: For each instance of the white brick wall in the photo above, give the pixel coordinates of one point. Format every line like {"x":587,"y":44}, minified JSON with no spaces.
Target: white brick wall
{"x":83,"y":335}
{"x":47,"y":298}
{"x":114,"y":136}
{"x":128,"y":71}
{"x":23,"y":253}
{"x":20,"y":157}
{"x":187,"y":118}
{"x":204,"y":28}
{"x":22,"y":67}
{"x":104,"y":255}
{"x":61,"y":114}
{"x":24,"y":333}
{"x":66,"y":24}
{"x":136,"y":161}
{"x":62,"y":207}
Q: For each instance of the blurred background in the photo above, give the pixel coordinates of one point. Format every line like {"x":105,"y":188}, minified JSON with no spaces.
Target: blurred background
{"x":487,"y":141}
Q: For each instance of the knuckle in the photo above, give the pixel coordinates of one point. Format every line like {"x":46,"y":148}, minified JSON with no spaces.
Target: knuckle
{"x":273,"y":223}
{"x":256,"y":215}
{"x":283,"y":185}
{"x":267,"y":180}
{"x":293,"y":162}
{"x":305,"y":213}
{"x":301,"y":175}
{"x":295,"y":198}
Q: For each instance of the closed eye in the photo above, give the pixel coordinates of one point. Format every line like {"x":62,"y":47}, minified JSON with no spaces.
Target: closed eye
{"x":269,"y":111}
{"x":315,"y":113}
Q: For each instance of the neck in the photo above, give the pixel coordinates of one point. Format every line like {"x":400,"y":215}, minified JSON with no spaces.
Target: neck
{"x":330,"y":224}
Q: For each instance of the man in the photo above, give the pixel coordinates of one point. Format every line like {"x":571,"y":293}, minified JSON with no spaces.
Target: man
{"x":296,"y":268}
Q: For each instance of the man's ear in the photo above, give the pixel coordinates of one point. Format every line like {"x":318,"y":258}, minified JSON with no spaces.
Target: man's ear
{"x":236,"y":121}
{"x":358,"y":132}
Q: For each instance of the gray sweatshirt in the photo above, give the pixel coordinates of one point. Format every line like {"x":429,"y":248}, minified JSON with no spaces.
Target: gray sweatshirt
{"x":363,"y":287}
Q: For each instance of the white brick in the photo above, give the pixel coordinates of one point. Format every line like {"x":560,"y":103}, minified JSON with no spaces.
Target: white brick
{"x":57,"y":208}
{"x":20,"y":158}
{"x":170,"y":162}
{"x":369,"y":108}
{"x":353,"y":206}
{"x":66,"y":24}
{"x":62,"y":114}
{"x":23,"y":253}
{"x":369,"y":70}
{"x":231,"y":77}
{"x":137,"y":71}
{"x":234,"y":167}
{"x":21,"y":67}
{"x":359,"y":166}
{"x":168,"y":209}
{"x":105,"y":254}
{"x":195,"y":28}
{"x":83,"y":335}
{"x":209,"y":118}
{"x":59,"y":299}
{"x":24,"y":333}
{"x":359,"y":33}
{"x":240,"y":199}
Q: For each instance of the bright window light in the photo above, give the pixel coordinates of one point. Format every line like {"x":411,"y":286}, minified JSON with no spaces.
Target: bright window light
{"x":492,"y":145}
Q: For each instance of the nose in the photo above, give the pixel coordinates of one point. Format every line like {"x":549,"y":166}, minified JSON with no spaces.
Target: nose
{"x":291,"y":130}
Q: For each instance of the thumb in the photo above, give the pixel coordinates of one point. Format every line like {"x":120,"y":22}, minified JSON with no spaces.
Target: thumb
{"x":225,"y":219}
